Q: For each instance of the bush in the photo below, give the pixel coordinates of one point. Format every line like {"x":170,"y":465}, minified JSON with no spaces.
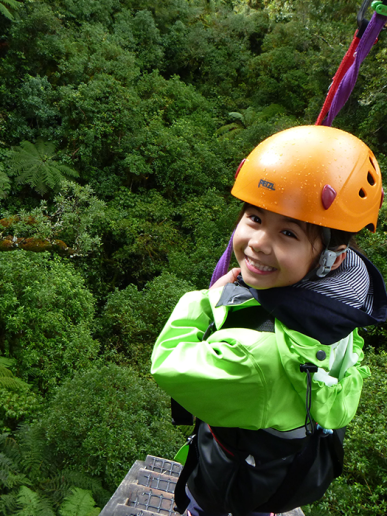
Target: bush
{"x":104,"y":419}
{"x":133,"y":319}
{"x":46,"y":315}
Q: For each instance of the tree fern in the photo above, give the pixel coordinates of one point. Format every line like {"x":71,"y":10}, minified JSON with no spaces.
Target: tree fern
{"x":79,"y":503}
{"x":10,"y":3}
{"x":35,"y":165}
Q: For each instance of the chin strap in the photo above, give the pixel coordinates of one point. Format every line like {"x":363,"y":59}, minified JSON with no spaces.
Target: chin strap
{"x":327,"y":257}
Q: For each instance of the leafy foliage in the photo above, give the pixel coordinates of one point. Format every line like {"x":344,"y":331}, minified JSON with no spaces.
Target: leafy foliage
{"x":32,"y":482}
{"x":104,"y":419}
{"x":17,"y":401}
{"x":132,"y":319}
{"x":45,"y":314}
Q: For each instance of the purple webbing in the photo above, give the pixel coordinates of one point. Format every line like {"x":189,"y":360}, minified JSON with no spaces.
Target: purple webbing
{"x":223,"y":264}
{"x":367,"y":41}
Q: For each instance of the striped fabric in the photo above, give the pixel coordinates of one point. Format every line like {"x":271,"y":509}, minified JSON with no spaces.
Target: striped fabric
{"x":350,"y":284}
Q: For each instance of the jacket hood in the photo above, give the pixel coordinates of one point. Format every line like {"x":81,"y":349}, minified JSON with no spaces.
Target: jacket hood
{"x":331,"y":308}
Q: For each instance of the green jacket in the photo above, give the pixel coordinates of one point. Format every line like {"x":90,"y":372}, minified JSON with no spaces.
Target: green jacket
{"x":251,"y":379}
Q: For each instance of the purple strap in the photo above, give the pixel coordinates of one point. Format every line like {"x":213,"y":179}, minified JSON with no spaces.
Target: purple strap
{"x":223,"y":264}
{"x":349,"y":80}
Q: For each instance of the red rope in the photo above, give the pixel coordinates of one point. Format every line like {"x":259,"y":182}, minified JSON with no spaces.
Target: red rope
{"x":220,"y":444}
{"x":346,"y":63}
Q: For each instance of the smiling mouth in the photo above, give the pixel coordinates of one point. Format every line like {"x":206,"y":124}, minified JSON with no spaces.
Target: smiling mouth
{"x":259,"y":266}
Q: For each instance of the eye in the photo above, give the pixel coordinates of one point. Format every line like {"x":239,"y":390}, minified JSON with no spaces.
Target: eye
{"x":288,"y":233}
{"x":255,"y":219}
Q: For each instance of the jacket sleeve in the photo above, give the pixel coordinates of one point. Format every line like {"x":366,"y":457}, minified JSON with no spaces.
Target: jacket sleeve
{"x":334,"y":404}
{"x":212,"y":379}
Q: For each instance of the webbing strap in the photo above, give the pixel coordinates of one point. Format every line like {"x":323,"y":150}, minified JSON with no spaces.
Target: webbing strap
{"x":345,"y":64}
{"x":348,"y":83}
{"x":181,"y":498}
{"x":222,"y":266}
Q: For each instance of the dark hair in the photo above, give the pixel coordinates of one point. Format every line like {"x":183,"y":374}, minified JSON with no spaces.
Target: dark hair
{"x":314,"y":232}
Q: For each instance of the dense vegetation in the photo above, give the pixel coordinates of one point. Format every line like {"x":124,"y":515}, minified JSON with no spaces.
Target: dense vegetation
{"x":122,"y":123}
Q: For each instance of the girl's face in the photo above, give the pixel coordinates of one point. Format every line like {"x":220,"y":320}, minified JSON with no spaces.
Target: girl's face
{"x":273,"y":250}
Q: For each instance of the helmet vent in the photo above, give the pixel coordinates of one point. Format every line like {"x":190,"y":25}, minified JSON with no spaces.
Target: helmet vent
{"x":362,"y":193}
{"x":370,"y":179}
{"x":372,"y":163}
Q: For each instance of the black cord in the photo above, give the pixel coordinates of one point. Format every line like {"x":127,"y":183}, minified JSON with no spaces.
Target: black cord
{"x":308,"y":368}
{"x":308,"y":418}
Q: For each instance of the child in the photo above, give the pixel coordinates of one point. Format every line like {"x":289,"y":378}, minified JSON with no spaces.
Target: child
{"x":268,"y":359}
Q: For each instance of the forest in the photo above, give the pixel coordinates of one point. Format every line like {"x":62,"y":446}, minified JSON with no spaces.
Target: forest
{"x":122,"y":123}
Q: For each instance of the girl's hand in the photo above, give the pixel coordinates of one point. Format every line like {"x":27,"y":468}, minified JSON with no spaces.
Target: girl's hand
{"x":230,"y":277}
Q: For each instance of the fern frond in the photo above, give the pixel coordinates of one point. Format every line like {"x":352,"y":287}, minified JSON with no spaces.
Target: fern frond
{"x":79,"y":503}
{"x":7,"y":362}
{"x":31,"y":503}
{"x":10,"y":448}
{"x":11,"y":383}
{"x":8,"y":503}
{"x":11,"y":3}
{"x":7,"y":378}
{"x":237,"y":116}
{"x":67,"y":171}
{"x":79,"y":479}
{"x":4,"y":11}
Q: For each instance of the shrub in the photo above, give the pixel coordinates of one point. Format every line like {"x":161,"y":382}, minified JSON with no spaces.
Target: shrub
{"x":133,"y":319}
{"x":46,"y":314}
{"x":104,"y":419}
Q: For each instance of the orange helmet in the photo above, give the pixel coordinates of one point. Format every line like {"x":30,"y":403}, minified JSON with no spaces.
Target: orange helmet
{"x":317,"y":174}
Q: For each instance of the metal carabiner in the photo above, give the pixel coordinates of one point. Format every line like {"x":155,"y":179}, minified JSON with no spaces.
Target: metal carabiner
{"x":362,"y":22}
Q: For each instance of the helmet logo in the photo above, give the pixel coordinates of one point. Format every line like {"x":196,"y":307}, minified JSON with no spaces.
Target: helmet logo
{"x":266,"y":184}
{"x":328,"y":195}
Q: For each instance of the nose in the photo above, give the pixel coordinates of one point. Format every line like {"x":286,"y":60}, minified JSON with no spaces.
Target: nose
{"x":260,"y":242}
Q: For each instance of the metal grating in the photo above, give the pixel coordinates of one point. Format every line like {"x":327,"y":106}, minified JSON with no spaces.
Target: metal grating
{"x":153,"y":502}
{"x":164,"y":466}
{"x":157,"y":481}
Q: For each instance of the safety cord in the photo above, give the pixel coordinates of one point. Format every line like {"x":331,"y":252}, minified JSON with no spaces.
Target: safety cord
{"x":308,"y":368}
{"x":345,"y":78}
{"x":346,"y":63}
{"x":366,"y":43}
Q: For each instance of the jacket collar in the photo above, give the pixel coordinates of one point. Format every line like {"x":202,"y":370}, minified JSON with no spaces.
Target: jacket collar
{"x":319,"y":316}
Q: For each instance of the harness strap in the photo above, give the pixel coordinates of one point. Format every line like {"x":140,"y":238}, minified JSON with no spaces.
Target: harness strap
{"x":181,"y":498}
